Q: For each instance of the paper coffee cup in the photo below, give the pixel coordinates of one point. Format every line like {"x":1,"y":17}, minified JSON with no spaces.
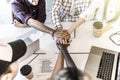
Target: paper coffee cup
{"x":97,"y":28}
{"x":26,"y":70}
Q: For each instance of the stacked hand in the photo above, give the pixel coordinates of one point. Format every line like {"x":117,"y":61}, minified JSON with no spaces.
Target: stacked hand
{"x":62,"y":35}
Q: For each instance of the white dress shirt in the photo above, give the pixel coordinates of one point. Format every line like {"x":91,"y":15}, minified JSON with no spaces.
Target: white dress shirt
{"x":96,"y":10}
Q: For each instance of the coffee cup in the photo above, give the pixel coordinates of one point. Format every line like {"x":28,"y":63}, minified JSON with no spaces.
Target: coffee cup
{"x":26,"y":70}
{"x":97,"y":28}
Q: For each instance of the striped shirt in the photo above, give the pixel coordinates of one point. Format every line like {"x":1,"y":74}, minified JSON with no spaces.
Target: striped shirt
{"x":61,"y":11}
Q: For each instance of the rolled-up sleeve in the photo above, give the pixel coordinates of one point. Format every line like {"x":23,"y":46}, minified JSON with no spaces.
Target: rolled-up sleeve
{"x":20,"y":11}
{"x":19,"y":48}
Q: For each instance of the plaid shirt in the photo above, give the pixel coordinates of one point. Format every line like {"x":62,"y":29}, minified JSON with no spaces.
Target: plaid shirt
{"x":61,"y":11}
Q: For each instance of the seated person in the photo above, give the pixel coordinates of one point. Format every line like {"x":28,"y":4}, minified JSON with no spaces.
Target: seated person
{"x":70,"y":72}
{"x":67,"y":11}
{"x":25,"y":11}
{"x":32,"y":13}
{"x":59,"y":72}
{"x":10,"y":53}
{"x":100,"y":10}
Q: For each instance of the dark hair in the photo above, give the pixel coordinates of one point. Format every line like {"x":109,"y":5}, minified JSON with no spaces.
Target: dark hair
{"x":69,"y":73}
{"x":25,"y":70}
{"x":3,"y":66}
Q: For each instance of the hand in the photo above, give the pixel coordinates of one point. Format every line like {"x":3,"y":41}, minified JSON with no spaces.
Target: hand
{"x":3,"y":44}
{"x":18,"y":24}
{"x":58,"y":32}
{"x":62,"y":36}
{"x":65,"y":38}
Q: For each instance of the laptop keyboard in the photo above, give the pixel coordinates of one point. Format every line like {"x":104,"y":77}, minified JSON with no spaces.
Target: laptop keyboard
{"x":106,"y":66}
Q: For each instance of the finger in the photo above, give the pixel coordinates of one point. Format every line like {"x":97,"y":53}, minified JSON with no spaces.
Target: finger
{"x":66,"y":41}
{"x":69,"y":41}
{"x":65,"y":36}
{"x":63,"y":40}
{"x":59,"y":40}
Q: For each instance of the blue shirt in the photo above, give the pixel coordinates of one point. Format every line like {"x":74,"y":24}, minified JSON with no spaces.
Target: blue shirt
{"x":23,"y":10}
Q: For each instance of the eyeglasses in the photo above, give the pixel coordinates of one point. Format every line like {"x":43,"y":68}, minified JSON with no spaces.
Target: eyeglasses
{"x":115,"y":38}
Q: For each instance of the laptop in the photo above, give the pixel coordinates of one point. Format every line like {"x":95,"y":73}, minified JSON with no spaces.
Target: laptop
{"x":103,"y":64}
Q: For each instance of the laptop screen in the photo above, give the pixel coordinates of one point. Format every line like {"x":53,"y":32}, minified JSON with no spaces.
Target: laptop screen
{"x":118,"y":68}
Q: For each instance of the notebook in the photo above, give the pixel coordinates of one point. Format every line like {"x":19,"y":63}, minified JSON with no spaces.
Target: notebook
{"x":103,"y":64}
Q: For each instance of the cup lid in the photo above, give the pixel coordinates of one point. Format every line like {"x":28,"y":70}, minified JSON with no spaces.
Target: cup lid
{"x":25,"y":70}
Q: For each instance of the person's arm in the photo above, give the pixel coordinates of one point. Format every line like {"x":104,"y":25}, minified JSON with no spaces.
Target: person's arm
{"x":88,"y":14}
{"x":14,"y":69}
{"x":110,"y":26}
{"x":19,"y":10}
{"x":68,"y":59}
{"x":18,"y":24}
{"x":77,"y":24}
{"x":40,"y":26}
{"x":11,"y":72}
{"x":58,"y":66}
{"x":56,"y":13}
{"x":59,"y":34}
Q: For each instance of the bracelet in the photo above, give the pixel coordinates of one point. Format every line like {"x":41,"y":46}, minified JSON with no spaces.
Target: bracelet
{"x":57,"y":29}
